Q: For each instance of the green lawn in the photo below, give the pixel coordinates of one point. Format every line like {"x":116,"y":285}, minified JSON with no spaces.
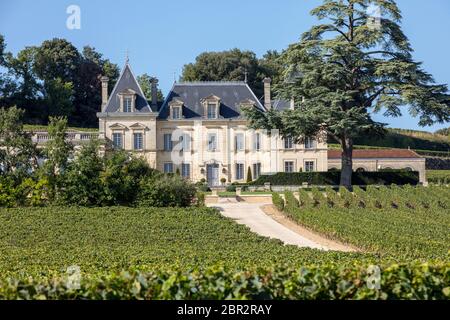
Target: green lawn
{"x":36,"y":240}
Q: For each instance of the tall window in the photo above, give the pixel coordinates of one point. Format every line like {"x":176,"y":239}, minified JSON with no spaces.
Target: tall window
{"x":167,"y":142}
{"x":257,"y":142}
{"x":138,"y":141}
{"x":212,"y":111}
{"x":186,"y":170}
{"x":288,"y":144}
{"x":239,"y":142}
{"x":239,"y":171}
{"x":256,"y":170}
{"x":117,"y":140}
{"x":185,"y":141}
{"x":127,"y":101}
{"x":176,"y":112}
{"x":168,"y":167}
{"x":212,"y":141}
{"x":309,"y":143}
{"x":289,"y":166}
{"x":309,"y":166}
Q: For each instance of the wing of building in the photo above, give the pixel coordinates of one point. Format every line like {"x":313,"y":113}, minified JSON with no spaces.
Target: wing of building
{"x":200,"y":132}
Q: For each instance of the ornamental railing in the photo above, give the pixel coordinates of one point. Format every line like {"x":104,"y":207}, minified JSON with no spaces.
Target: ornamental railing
{"x":76,"y":137}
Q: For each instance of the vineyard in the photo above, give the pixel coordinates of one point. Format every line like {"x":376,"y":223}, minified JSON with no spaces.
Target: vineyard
{"x":438,"y":176}
{"x":48,"y":240}
{"x":403,"y":223}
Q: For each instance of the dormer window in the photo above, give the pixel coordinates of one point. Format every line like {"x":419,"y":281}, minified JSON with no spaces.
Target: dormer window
{"x":176,"y":109}
{"x":212,"y":111}
{"x":176,"y":112}
{"x":127,"y":100}
{"x":211,"y":107}
{"x":127,"y":104}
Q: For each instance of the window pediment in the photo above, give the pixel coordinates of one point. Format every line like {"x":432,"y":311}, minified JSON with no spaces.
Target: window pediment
{"x":117,"y":126}
{"x":211,"y":98}
{"x":127,"y":92}
{"x":137,"y":126}
{"x":176,"y":102}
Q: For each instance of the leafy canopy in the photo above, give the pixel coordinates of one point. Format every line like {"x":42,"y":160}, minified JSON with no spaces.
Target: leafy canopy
{"x":350,"y":66}
{"x":358,"y":61}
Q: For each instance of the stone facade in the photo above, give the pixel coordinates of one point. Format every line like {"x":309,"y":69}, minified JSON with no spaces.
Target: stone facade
{"x":200,"y":131}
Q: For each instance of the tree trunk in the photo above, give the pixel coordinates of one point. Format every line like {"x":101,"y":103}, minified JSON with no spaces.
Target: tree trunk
{"x":347,"y":162}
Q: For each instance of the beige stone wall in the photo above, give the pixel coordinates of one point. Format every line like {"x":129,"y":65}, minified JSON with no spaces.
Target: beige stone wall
{"x":271,"y":155}
{"x":128,"y":126}
{"x":416,"y":164}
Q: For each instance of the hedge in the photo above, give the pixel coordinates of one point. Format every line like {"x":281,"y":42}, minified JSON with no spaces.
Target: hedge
{"x":417,"y":281}
{"x":333,"y":178}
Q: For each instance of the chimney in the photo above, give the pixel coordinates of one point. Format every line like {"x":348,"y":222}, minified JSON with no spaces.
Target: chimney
{"x":154,"y":94}
{"x":267,"y":95}
{"x":104,"y":81}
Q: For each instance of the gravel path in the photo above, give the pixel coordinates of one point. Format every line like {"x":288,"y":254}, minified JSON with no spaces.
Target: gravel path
{"x":252,"y":216}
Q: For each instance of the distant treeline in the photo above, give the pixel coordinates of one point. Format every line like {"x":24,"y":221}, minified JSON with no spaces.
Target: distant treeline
{"x":56,"y":79}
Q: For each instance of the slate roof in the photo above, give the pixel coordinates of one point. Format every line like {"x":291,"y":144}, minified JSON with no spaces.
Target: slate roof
{"x":376,"y":154}
{"x":126,"y":82}
{"x":231,"y":95}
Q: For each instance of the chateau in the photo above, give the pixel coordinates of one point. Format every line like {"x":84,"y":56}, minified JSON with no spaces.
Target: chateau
{"x":200,"y":132}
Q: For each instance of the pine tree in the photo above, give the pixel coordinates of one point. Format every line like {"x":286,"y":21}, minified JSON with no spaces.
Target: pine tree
{"x":343,"y":70}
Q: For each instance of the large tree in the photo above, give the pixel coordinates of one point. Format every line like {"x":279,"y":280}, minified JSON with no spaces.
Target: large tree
{"x":18,"y":153}
{"x":343,"y":70}
{"x":57,"y":151}
{"x":232,"y":65}
{"x":55,"y":79}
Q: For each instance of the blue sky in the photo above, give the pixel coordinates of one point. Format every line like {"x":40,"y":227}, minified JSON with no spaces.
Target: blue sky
{"x":162,"y":36}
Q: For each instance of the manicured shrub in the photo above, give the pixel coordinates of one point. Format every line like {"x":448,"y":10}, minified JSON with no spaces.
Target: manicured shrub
{"x":278,"y":201}
{"x":231,"y":188}
{"x":166,"y":191}
{"x":333,"y":178}
{"x":249,"y":175}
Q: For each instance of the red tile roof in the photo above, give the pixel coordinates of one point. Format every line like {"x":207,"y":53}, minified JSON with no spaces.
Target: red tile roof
{"x":376,"y":154}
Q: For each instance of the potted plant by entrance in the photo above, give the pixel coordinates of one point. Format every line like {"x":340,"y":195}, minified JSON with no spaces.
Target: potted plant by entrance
{"x":223,"y":181}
